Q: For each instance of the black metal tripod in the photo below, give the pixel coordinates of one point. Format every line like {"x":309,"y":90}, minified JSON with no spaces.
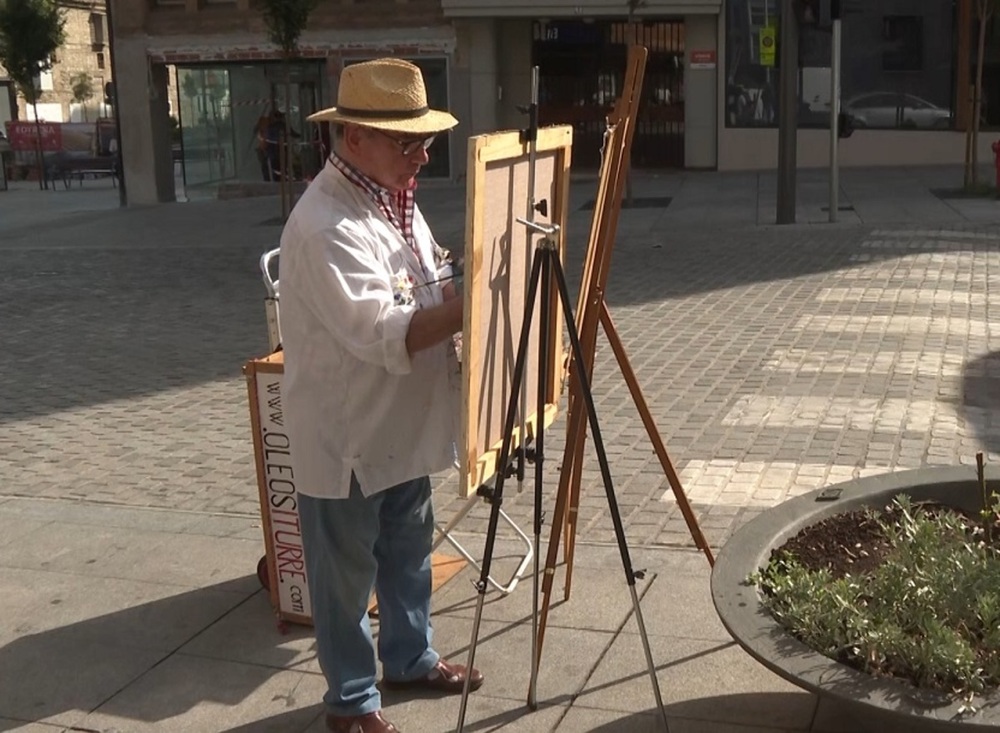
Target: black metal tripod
{"x":546,"y":272}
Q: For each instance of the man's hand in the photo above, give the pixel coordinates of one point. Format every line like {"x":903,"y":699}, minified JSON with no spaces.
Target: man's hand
{"x":430,"y":326}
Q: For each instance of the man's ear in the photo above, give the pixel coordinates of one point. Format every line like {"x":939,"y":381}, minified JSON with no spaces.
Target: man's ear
{"x":353,"y":135}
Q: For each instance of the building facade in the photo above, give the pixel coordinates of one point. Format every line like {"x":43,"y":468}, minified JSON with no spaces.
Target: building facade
{"x":228,"y":77}
{"x":906,"y":76}
{"x":709,"y":98}
{"x":84,"y":52}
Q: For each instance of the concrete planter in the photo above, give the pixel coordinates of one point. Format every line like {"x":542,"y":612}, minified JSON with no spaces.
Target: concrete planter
{"x":877,"y":704}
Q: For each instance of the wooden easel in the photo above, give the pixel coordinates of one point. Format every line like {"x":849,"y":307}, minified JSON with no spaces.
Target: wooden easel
{"x":592,"y":310}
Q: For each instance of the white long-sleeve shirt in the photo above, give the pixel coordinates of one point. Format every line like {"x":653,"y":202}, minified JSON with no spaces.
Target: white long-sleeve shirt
{"x":354,"y":399}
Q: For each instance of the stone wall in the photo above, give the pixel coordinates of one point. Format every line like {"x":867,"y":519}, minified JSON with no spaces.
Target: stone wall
{"x":75,"y":56}
{"x":79,"y":55}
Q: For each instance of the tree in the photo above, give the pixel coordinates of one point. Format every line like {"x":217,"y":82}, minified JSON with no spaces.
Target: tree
{"x":984,"y":11}
{"x":83,"y":90}
{"x":285,"y":21}
{"x":30,"y":33}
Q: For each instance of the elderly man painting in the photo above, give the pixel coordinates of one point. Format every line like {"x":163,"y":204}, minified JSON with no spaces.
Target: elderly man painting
{"x":366,"y":324}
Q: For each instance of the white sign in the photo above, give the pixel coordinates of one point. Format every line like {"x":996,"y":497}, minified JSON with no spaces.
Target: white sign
{"x":282,"y":505}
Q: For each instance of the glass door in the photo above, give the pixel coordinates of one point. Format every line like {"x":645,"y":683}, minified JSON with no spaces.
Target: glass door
{"x":305,"y":146}
{"x":206,"y":122}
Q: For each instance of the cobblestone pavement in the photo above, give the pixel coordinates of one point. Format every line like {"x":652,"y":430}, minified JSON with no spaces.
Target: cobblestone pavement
{"x":775,"y":360}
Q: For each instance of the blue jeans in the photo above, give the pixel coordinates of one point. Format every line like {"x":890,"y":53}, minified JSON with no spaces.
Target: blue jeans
{"x":355,"y":544}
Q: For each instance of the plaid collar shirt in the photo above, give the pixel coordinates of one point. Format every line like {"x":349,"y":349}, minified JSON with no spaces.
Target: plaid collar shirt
{"x":397,"y":207}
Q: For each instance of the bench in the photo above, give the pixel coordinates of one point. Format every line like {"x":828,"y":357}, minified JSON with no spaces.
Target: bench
{"x":67,"y":168}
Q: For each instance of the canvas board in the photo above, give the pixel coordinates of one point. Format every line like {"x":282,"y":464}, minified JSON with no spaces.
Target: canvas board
{"x":498,"y":256}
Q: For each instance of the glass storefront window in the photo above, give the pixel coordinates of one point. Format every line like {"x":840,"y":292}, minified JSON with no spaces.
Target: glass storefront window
{"x":898,"y":65}
{"x":223,"y":108}
{"x":206,"y":125}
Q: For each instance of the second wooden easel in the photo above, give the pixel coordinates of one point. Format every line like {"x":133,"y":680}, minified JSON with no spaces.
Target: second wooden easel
{"x":592,"y":310}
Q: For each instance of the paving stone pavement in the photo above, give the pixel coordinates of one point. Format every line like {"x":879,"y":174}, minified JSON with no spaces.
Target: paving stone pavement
{"x":774,"y":360}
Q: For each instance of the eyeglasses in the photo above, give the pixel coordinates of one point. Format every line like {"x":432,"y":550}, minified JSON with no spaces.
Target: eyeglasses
{"x":409,"y":147}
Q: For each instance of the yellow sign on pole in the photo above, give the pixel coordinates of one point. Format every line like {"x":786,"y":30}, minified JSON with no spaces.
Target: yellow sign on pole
{"x":768,"y":45}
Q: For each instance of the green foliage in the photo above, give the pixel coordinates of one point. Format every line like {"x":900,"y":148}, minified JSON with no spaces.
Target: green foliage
{"x":82,"y":86}
{"x":189,"y":86}
{"x":30,"y":33}
{"x":929,"y":613}
{"x":285,"y":21}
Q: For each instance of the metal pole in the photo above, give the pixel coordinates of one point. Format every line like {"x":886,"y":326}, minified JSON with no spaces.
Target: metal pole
{"x":532,"y":140}
{"x":834,"y":116}
{"x":767,"y":69}
{"x":788,"y":111}
{"x":119,"y":166}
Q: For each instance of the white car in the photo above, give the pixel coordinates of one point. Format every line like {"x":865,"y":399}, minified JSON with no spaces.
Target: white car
{"x":895,"y":109}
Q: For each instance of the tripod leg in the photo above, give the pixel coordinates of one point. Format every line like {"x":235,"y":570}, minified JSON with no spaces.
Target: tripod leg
{"x":609,"y":489}
{"x":508,"y":436}
{"x":543,"y":393}
{"x":647,"y":419}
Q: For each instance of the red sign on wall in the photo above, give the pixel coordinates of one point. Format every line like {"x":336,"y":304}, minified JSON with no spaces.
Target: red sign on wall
{"x":24,"y":136}
{"x":703,"y":59}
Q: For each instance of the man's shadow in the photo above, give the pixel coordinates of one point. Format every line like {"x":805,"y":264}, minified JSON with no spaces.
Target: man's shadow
{"x":216,"y":644}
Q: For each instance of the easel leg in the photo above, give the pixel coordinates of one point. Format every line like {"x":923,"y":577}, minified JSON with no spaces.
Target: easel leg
{"x":559,"y":518}
{"x":588,"y":342}
{"x":543,"y":391}
{"x":568,"y":497}
{"x":654,"y":436}
{"x":505,"y":451}
{"x":576,"y":441}
{"x":573,"y":510}
{"x":602,"y":458}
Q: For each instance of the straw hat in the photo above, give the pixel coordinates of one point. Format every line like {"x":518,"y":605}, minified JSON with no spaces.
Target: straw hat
{"x":387,"y":94}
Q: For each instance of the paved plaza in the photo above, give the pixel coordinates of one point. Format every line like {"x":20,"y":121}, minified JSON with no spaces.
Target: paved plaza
{"x":775,"y":360}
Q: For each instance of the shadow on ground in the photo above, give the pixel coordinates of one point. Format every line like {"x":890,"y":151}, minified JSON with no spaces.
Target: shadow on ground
{"x":703,"y":713}
{"x":78,"y":667}
{"x":90,"y":327}
{"x":148,"y":300}
{"x":981,"y":399}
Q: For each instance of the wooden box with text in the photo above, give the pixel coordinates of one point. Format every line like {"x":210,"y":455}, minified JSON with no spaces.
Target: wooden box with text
{"x":279,"y":499}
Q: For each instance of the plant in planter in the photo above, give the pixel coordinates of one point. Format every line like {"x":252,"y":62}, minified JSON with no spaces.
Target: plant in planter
{"x":913,"y":593}
{"x":894,"y":613}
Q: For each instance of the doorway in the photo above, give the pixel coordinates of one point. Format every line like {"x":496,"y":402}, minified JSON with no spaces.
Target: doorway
{"x":581,"y":68}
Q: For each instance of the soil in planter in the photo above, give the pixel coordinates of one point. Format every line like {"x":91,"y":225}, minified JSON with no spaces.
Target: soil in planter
{"x":855,"y":543}
{"x":844,"y":543}
{"x":852,"y":542}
